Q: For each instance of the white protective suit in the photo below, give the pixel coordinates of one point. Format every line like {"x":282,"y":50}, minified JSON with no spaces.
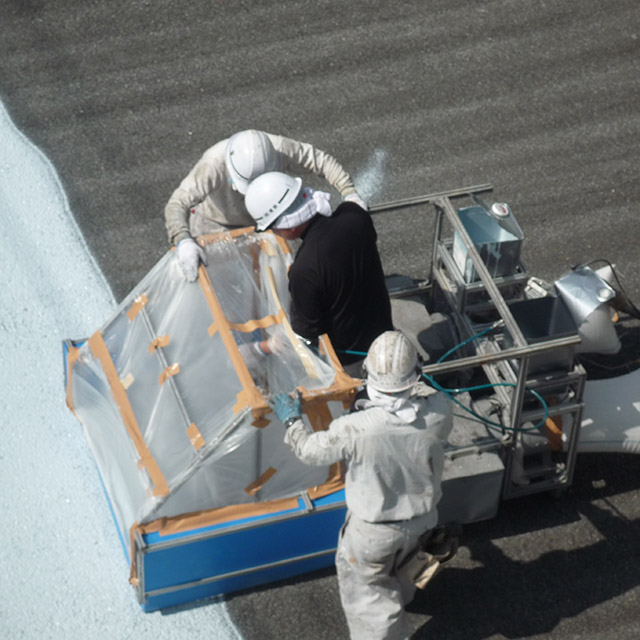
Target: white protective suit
{"x":205,"y":200}
{"x":394,"y":471}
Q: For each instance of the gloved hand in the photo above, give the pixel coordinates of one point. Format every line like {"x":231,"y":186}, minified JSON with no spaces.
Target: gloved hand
{"x":287,"y":408}
{"x":354,"y":197}
{"x":275,"y":344}
{"x":269,"y":346}
{"x":190,"y":254}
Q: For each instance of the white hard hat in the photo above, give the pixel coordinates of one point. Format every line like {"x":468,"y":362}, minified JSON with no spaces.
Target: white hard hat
{"x":249,"y":154}
{"x":392,"y":363}
{"x":269,"y":196}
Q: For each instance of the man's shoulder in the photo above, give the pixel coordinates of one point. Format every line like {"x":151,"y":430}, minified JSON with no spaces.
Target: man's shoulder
{"x":361,"y":417}
{"x":345,"y":217}
{"x":351,"y":209}
{"x":216,"y":151}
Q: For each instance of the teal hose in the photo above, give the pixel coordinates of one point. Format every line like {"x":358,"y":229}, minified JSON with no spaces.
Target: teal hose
{"x":453,"y":392}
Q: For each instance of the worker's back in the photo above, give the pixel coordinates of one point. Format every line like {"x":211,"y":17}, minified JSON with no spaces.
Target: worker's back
{"x":394,"y":468}
{"x":337,"y":283}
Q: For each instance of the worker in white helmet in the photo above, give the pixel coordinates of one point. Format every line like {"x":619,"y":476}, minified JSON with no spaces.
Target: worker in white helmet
{"x":393,"y":448}
{"x":336,"y":282}
{"x":210,"y":198}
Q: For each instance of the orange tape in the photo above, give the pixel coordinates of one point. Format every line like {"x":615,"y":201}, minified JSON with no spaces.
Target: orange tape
{"x":335,"y":482}
{"x":317,"y":410}
{"x":318,"y":413}
{"x":169,"y":372}
{"x":195,"y":437}
{"x":136,"y":307}
{"x":199,"y":519}
{"x":254,"y":487}
{"x":133,"y":570}
{"x":73,"y":353}
{"x":210,"y":238}
{"x":553,"y":431}
{"x":101,"y":353}
{"x":282,"y":243}
{"x":161,"y":341}
{"x":267,"y":247}
{"x":342,"y":378}
{"x":262,"y":323}
{"x":260,"y":422}
{"x":250,"y":395}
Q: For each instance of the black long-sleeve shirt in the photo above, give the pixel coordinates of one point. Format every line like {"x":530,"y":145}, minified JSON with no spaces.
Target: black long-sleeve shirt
{"x":337,"y":284}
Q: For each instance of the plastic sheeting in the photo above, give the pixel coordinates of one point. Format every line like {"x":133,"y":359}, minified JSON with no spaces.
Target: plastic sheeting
{"x":173,"y":396}
{"x":611,"y":417}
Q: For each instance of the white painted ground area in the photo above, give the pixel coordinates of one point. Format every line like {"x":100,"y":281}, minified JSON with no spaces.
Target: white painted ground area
{"x":62,"y":569}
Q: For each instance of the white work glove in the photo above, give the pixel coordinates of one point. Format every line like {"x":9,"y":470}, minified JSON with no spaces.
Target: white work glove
{"x":190,"y":254}
{"x":273,"y":345}
{"x":355,"y":198}
{"x":276,"y":345}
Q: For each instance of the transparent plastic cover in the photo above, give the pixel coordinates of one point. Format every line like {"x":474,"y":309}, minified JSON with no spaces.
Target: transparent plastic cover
{"x":172,"y":391}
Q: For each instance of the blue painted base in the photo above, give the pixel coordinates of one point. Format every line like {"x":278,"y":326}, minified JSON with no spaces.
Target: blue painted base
{"x":237,"y":555}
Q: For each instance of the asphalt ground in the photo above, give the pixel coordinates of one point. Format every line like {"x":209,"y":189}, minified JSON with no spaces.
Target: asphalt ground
{"x":539,"y":99}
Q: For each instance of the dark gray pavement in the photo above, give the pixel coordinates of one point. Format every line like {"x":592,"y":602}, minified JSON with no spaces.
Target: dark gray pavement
{"x":540,"y":99}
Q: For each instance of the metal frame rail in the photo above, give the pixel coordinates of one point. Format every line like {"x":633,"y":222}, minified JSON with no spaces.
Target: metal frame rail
{"x":493,"y":357}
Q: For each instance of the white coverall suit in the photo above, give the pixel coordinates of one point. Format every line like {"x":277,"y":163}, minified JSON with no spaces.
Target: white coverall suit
{"x":205,"y":201}
{"x":394,"y":471}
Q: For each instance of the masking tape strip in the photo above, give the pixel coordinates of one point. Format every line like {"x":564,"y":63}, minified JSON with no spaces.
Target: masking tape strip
{"x":210,"y":238}
{"x":254,"y":487}
{"x":200,"y":519}
{"x":342,"y":378}
{"x":137,"y":305}
{"x":255,"y":249}
{"x":171,"y":370}
{"x":344,"y":387}
{"x":318,"y":413}
{"x":282,"y":243}
{"x":220,"y":515}
{"x":73,"y":353}
{"x":161,"y":341}
{"x":335,"y":482}
{"x":250,"y":394}
{"x":195,"y":437}
{"x":127,"y":381}
{"x":303,"y":354}
{"x":317,"y":410}
{"x":260,"y":422}
{"x":261,"y":323}
{"x":133,"y":572}
{"x":553,"y":431}
{"x":101,"y":353}
{"x":267,"y":246}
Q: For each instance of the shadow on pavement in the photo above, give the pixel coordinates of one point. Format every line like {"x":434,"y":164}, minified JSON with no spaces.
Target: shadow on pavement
{"x":522,"y":598}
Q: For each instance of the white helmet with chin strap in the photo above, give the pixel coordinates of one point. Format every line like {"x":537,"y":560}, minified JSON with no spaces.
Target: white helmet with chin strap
{"x":249,"y":154}
{"x":392,"y":364}
{"x":269,"y":196}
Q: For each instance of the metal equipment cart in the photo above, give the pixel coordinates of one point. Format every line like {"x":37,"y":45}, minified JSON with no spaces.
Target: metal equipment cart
{"x":524,"y":352}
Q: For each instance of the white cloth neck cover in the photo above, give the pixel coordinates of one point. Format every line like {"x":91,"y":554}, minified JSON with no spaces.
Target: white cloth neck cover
{"x":308,"y":203}
{"x":399,"y":404}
